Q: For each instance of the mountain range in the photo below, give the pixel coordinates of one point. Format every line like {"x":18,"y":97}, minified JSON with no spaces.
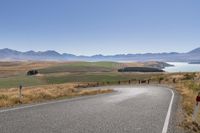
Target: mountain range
{"x":50,"y":55}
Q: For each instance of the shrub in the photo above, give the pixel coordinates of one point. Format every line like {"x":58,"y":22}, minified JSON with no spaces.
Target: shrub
{"x":190,"y":76}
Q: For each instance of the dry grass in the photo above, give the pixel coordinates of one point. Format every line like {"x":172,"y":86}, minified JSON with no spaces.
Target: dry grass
{"x":188,"y":103}
{"x":10,"y":97}
{"x":15,"y":68}
{"x":188,"y":88}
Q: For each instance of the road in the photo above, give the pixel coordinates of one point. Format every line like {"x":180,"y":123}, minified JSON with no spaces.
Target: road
{"x":131,"y":109}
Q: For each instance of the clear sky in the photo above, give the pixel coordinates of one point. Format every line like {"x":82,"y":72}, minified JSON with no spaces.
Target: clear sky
{"x":88,"y":27}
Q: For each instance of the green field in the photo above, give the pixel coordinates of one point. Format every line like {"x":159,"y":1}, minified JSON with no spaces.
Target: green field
{"x":82,"y":67}
{"x":15,"y":81}
{"x":67,"y":78}
{"x":87,"y":77}
{"x":72,"y":72}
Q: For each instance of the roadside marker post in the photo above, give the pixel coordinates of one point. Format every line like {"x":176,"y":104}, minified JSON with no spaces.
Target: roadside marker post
{"x":20,"y":93}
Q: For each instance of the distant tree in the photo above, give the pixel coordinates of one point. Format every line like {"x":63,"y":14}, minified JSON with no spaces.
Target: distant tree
{"x":32,"y":72}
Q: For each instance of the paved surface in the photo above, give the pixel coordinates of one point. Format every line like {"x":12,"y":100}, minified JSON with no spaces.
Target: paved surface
{"x":132,"y":109}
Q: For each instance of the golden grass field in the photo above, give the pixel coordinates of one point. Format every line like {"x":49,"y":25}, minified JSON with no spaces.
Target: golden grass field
{"x":14,"y":68}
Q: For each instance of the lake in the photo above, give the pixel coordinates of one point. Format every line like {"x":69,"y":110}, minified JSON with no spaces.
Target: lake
{"x":182,"y":67}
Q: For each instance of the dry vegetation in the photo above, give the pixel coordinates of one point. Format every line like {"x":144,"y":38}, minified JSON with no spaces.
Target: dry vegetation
{"x":14,"y":68}
{"x":188,"y":86}
{"x":10,"y":97}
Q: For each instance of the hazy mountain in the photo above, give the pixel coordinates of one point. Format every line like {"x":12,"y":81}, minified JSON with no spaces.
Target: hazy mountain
{"x":9,"y":54}
{"x":195,"y":51}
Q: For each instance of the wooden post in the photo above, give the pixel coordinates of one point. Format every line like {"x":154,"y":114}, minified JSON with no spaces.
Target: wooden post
{"x":174,"y":80}
{"x":160,"y":80}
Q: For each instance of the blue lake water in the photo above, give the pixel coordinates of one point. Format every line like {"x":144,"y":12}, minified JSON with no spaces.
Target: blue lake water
{"x":182,"y":67}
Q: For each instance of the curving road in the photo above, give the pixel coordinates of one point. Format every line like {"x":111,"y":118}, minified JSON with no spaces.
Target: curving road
{"x":132,"y":109}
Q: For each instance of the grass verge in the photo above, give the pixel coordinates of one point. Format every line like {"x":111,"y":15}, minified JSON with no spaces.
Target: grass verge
{"x":10,"y":97}
{"x":188,"y":92}
{"x":188,"y":86}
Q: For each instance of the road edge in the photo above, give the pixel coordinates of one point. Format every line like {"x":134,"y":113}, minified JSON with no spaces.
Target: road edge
{"x":167,"y":119}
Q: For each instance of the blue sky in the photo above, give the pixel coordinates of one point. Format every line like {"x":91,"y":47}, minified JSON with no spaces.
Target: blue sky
{"x":88,"y":27}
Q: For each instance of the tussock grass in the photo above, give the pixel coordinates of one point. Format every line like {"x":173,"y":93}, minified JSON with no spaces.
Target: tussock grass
{"x":10,"y":97}
{"x":189,"y":91}
{"x":188,"y":86}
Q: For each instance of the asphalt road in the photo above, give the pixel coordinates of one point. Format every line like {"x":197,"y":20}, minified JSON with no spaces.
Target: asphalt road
{"x":132,"y":109}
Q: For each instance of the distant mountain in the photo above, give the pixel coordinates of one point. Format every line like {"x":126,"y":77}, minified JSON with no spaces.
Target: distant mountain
{"x":46,"y":53}
{"x":9,"y":54}
{"x":195,"y":51}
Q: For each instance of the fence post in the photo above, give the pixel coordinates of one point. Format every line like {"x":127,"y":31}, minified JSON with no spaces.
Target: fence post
{"x":174,"y":80}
